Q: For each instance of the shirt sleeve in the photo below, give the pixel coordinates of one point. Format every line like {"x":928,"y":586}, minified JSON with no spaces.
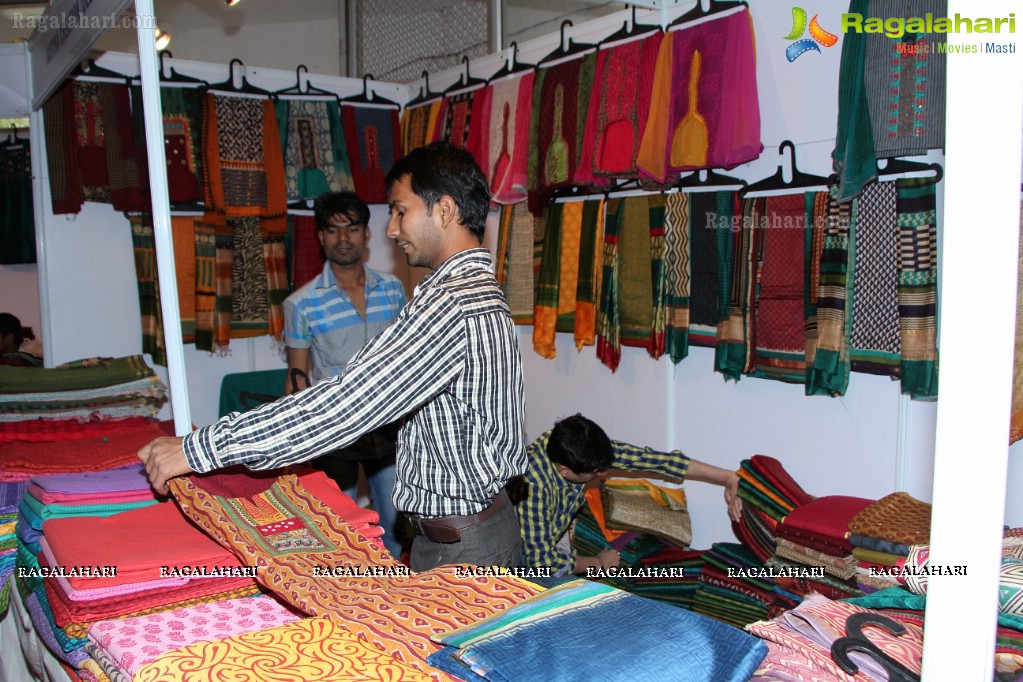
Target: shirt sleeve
{"x":296,"y":325}
{"x":402,"y":368}
{"x":674,"y":464}
{"x":536,"y":521}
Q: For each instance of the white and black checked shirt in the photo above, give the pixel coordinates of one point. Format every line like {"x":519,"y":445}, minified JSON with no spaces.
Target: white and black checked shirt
{"x":450,"y":363}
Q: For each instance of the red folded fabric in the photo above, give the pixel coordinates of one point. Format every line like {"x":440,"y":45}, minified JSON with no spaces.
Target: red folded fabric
{"x":825,"y":520}
{"x":126,"y":541}
{"x":21,"y":461}
{"x":51,"y":430}
{"x":773,"y":471}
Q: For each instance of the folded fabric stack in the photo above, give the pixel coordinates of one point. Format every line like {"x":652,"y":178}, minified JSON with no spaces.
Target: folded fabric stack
{"x":96,"y":452}
{"x":10,"y":495}
{"x":736,"y":588}
{"x":670,"y":573}
{"x":51,"y":430}
{"x":123,"y":646}
{"x":881,"y":535}
{"x":98,"y":493}
{"x":311,"y":558}
{"x":663,"y":643}
{"x":799,"y":644}
{"x":769,"y":493}
{"x":813,"y":550}
{"x":110,"y":387}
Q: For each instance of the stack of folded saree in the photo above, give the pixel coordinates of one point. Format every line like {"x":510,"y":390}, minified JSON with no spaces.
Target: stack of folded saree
{"x":663,"y":643}
{"x":814,"y":536}
{"x":881,"y":535}
{"x":10,"y":495}
{"x":111,"y":387}
{"x":281,"y":525}
{"x":768,"y":493}
{"x":652,"y":567}
{"x":736,"y":587}
{"x":51,"y":430}
{"x":799,"y":644}
{"x":98,"y":452}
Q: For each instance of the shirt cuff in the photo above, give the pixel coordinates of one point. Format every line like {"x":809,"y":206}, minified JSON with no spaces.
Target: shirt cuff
{"x":200,"y":450}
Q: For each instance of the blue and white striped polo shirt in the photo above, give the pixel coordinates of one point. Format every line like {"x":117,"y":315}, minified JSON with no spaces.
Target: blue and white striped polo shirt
{"x":320,"y":316}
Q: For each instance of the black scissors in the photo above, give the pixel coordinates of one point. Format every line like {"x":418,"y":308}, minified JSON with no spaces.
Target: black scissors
{"x":855,"y":640}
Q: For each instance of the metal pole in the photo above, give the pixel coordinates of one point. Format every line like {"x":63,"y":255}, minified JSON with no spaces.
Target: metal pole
{"x":153,"y":115}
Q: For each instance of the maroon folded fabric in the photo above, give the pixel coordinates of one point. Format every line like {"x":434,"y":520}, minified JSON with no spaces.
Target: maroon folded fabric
{"x":823,"y":522}
{"x":773,"y":471}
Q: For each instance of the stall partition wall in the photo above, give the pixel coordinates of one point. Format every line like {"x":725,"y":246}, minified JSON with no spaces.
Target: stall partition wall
{"x":867,"y":443}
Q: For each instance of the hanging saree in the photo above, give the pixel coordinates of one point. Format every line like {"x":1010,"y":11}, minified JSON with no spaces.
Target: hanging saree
{"x":182,"y":133}
{"x":712,"y":117}
{"x":17,"y":224}
{"x":456,"y":116}
{"x":918,"y":286}
{"x":735,"y":338}
{"x":874,"y":338}
{"x":854,"y":158}
{"x":618,"y":110}
{"x":828,"y":370}
{"x":677,"y":277}
{"x":1016,"y":412}
{"x":561,"y":94}
{"x":144,"y":246}
{"x":313,"y":144}
{"x":419,"y":124}
{"x":499,"y":136}
{"x":372,"y":138}
{"x":518,"y":259}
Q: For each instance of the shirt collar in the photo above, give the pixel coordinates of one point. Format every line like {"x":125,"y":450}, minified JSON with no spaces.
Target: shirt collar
{"x":327,"y":279}
{"x":470,"y":259}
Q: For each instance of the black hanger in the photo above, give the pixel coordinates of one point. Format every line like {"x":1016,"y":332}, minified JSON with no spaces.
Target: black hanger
{"x":855,"y":640}
{"x":897,"y":166}
{"x":710,"y":179}
{"x":228,"y":86}
{"x":515,"y":66}
{"x":296,"y":89}
{"x":629,"y":30}
{"x":14,"y":142}
{"x":425,"y":95}
{"x":367,"y":96}
{"x":90,"y":69}
{"x":776,"y":181}
{"x":465,"y":80}
{"x":714,"y":7}
{"x":563,"y":51}
{"x":174,"y":76}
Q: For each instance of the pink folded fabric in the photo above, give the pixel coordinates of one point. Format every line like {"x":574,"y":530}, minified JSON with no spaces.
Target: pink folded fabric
{"x":134,"y":642}
{"x":74,"y":499}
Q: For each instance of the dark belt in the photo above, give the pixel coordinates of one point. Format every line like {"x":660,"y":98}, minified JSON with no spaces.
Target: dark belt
{"x":448,"y":529}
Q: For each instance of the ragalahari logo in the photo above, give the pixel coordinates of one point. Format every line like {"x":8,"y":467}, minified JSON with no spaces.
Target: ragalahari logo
{"x":817,"y":35}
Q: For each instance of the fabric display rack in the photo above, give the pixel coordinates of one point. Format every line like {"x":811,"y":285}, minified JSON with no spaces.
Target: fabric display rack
{"x":614,"y":226}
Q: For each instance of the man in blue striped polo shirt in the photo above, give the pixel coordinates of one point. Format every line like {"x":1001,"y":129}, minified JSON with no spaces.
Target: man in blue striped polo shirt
{"x":327,"y":321}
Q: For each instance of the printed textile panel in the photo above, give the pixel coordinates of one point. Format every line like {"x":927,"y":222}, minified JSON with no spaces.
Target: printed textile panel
{"x":315,"y":561}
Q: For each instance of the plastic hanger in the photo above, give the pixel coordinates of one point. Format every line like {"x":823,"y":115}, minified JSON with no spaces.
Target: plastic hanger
{"x":91,"y":70}
{"x":425,"y":94}
{"x":629,"y":30}
{"x":367,"y":96}
{"x":174,"y":76}
{"x":296,"y":89}
{"x":562,"y":51}
{"x":709,"y":179}
{"x":14,"y":142}
{"x":465,"y":80}
{"x":777,"y":181}
{"x":228,"y":86}
{"x":515,"y":66}
{"x":897,"y":166}
{"x":714,"y":7}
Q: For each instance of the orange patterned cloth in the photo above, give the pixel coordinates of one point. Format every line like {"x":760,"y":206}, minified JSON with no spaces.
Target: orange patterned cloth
{"x":898,"y":517}
{"x":314,"y":560}
{"x":311,"y":649}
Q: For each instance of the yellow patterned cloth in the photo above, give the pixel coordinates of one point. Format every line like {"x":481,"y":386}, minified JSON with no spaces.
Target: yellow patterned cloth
{"x":309,"y":650}
{"x":315,"y":561}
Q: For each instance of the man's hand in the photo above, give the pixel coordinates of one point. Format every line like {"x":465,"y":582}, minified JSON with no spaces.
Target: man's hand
{"x":164,"y":459}
{"x":732,"y":498}
{"x":608,"y":558}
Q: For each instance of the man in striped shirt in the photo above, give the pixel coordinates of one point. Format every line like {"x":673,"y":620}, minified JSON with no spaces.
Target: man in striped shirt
{"x":326,"y":322}
{"x":573,"y":453}
{"x":449,"y":364}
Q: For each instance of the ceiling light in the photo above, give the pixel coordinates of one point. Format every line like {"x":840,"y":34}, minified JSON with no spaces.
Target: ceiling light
{"x":231,"y":3}
{"x":162,"y":40}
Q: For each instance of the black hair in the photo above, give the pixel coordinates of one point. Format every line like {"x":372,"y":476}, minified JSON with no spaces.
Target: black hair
{"x":348,"y":204}
{"x":9,"y":324}
{"x":440,"y":169}
{"x":580,"y":444}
